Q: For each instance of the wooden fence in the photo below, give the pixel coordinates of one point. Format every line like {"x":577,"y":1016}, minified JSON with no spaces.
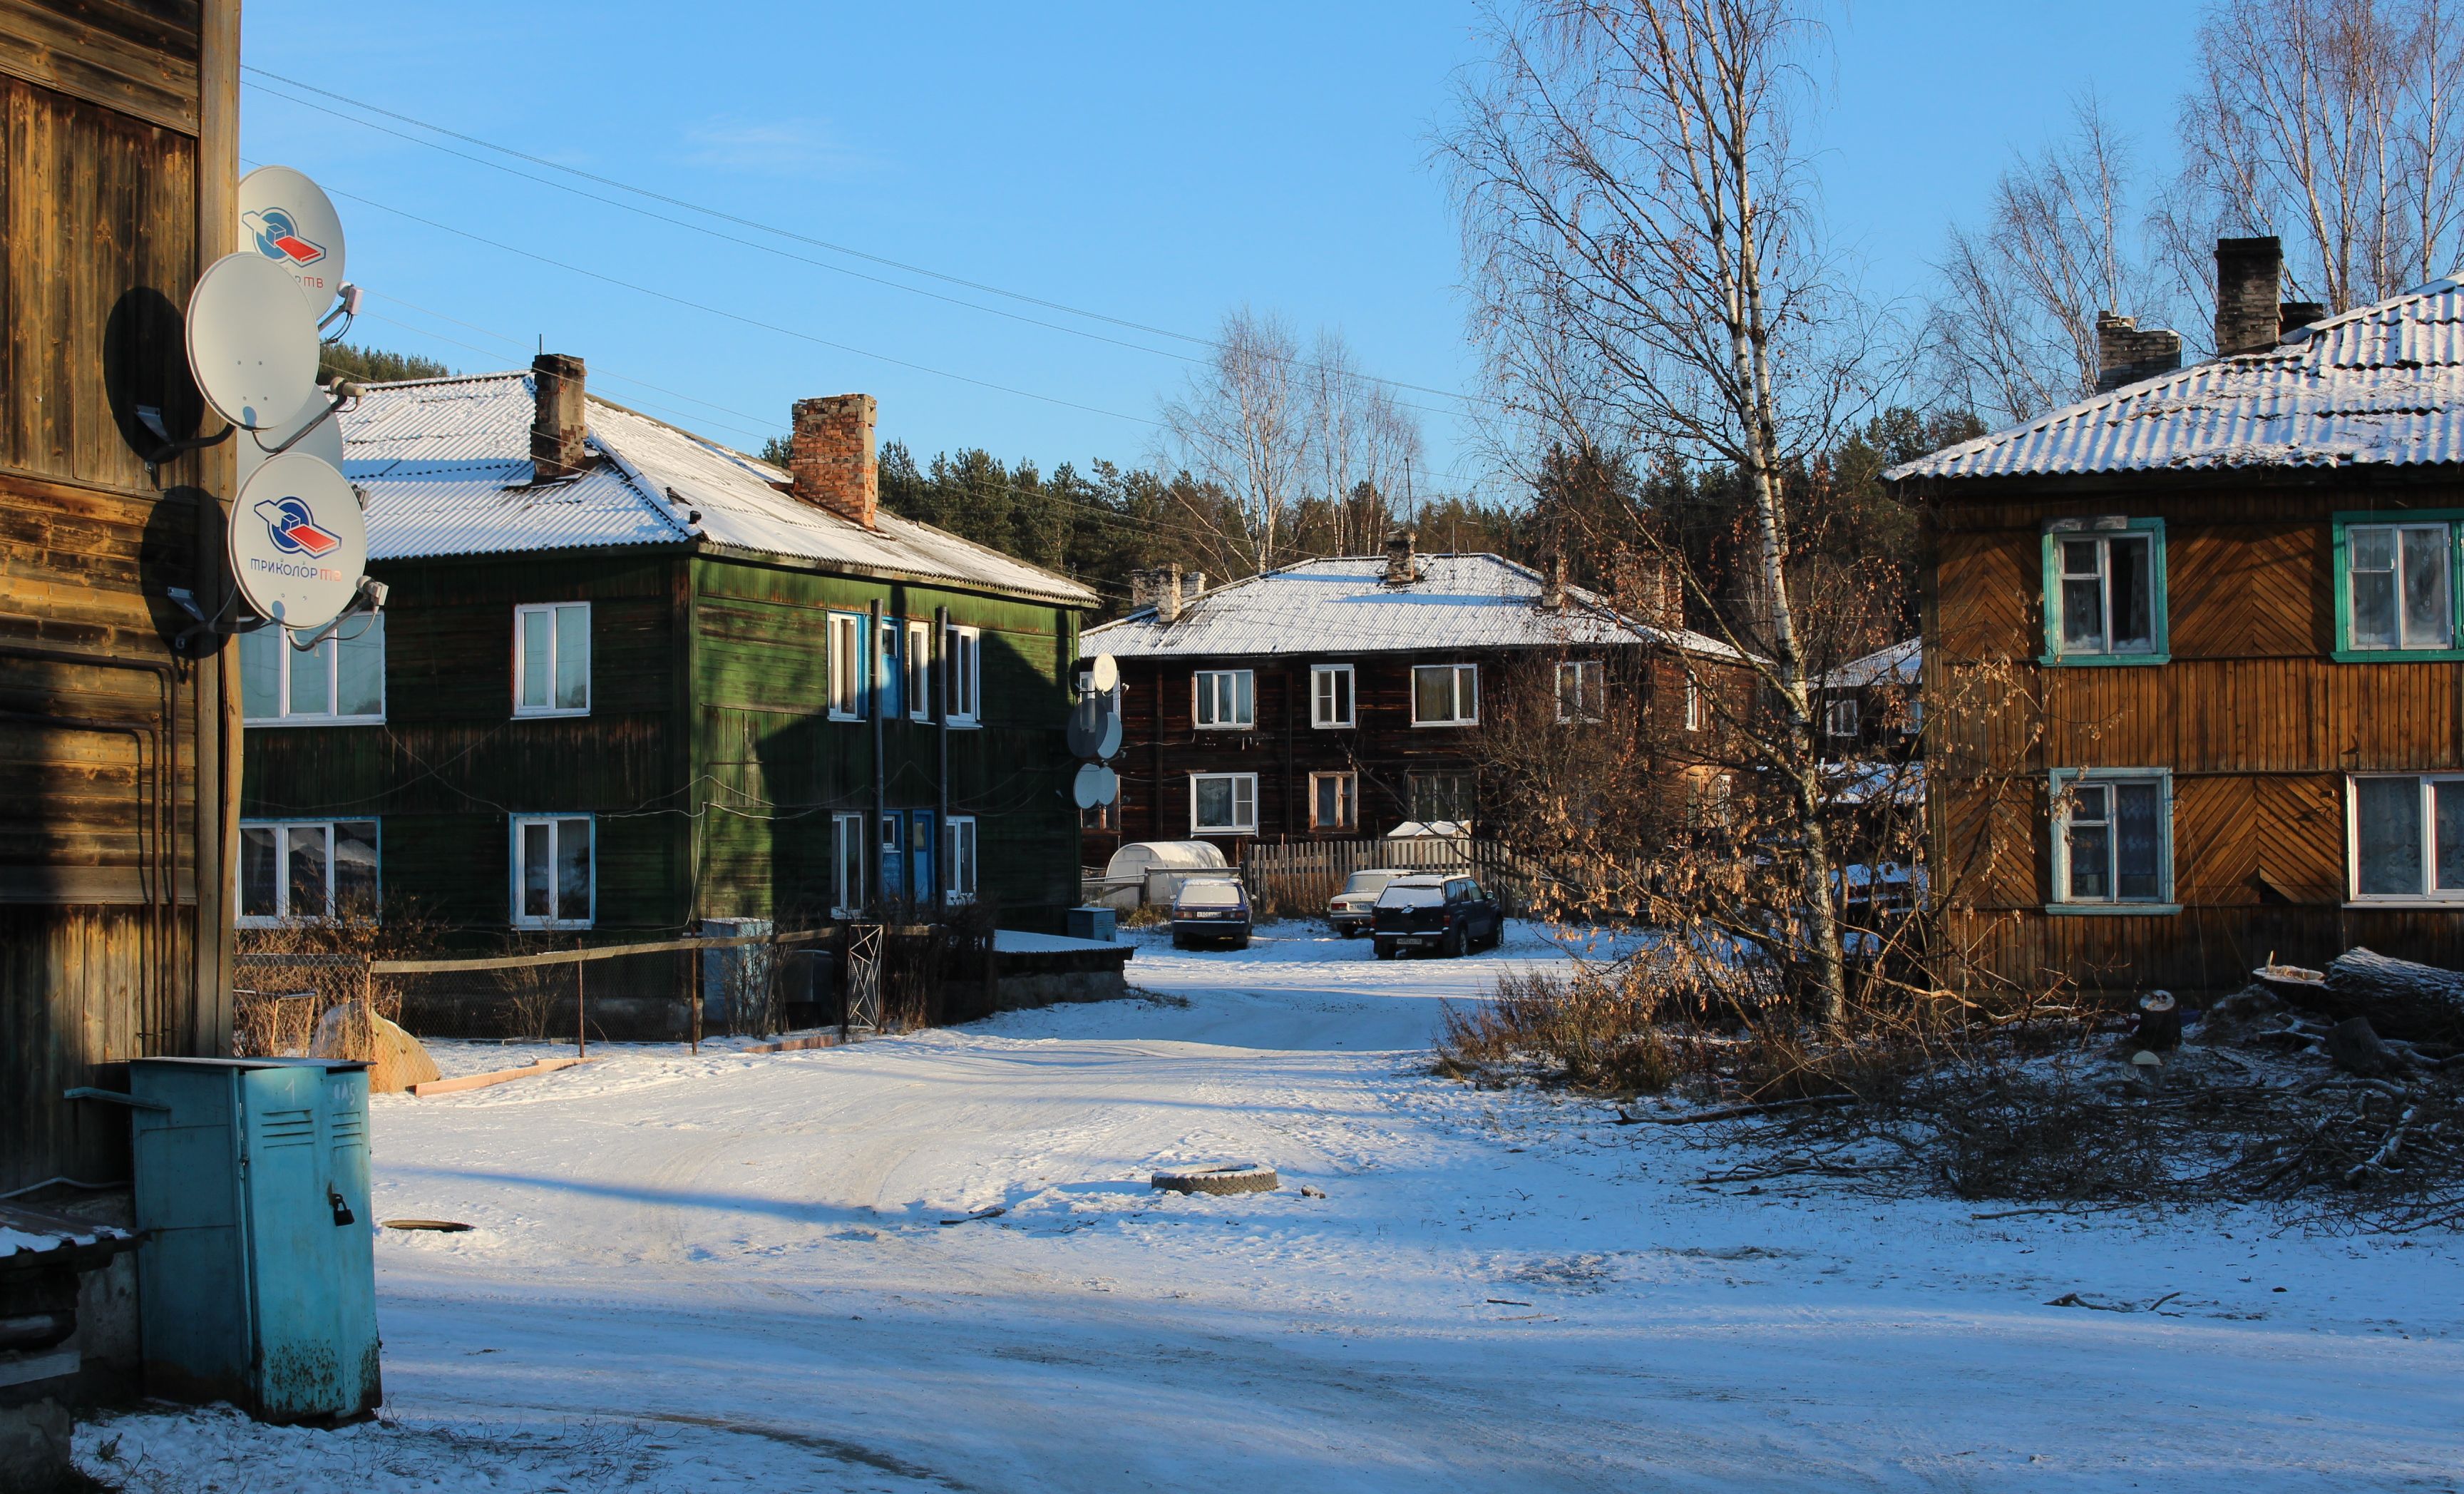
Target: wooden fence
{"x":1295,"y":881}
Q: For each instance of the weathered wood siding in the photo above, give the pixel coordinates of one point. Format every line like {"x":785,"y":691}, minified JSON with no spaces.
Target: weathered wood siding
{"x":2258,"y":721}
{"x":117,"y":142}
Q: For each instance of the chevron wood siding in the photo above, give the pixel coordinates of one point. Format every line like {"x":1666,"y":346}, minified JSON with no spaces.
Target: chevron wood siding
{"x":2257,"y":722}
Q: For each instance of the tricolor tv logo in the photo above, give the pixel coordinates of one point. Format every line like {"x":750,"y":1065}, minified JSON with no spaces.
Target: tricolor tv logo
{"x":277,"y":237}
{"x":295,"y":528}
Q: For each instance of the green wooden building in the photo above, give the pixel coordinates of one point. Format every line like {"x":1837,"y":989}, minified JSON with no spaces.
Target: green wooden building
{"x":628,"y":680}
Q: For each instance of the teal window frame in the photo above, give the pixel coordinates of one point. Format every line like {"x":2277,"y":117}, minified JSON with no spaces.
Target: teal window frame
{"x":2057,"y":820}
{"x":2050,"y":589}
{"x":2345,"y":652}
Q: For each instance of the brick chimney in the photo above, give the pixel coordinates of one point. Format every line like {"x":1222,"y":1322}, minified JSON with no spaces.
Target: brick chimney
{"x":1193,"y":585}
{"x":2250,"y":274}
{"x":830,"y":455}
{"x":1552,"y":584}
{"x":556,"y":420}
{"x":2126,"y":355}
{"x":2299,"y":314}
{"x":1402,"y":569}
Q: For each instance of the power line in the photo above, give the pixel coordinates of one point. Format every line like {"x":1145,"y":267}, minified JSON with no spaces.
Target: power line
{"x":787,"y":233}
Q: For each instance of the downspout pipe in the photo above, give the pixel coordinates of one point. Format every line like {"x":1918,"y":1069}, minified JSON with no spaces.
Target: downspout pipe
{"x":874,"y":697}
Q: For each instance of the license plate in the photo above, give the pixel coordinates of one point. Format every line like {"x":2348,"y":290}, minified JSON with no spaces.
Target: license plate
{"x":1413,"y":943}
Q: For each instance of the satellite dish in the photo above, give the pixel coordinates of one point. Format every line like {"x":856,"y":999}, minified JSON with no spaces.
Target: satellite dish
{"x":1109,"y":744}
{"x":1085,"y":731}
{"x":324,"y":441}
{"x":1110,"y":789}
{"x":252,"y":341}
{"x":1088,"y":787}
{"x":287,"y":220}
{"x":298,"y":544}
{"x":1108,"y":672}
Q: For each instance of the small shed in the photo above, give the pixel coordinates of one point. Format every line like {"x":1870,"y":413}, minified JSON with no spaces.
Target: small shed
{"x":1152,"y":872}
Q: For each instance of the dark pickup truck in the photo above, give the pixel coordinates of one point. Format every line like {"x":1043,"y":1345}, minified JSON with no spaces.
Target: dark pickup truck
{"x":1448,"y":915}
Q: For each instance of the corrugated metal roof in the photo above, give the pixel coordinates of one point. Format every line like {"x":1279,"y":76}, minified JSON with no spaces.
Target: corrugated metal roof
{"x":2381,"y":386}
{"x":1901,"y":664}
{"x":1342,"y":605}
{"x":446,"y":463}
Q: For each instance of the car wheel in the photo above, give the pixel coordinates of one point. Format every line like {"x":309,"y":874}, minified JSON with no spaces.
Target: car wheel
{"x":1385,"y":951}
{"x":1241,"y":943}
{"x":1452,"y":945}
{"x":1180,"y":943}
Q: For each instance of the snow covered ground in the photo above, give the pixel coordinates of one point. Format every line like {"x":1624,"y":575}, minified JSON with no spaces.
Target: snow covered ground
{"x":737,"y":1272}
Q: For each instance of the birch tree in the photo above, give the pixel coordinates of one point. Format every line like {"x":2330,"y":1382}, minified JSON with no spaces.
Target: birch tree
{"x":1638,"y":228}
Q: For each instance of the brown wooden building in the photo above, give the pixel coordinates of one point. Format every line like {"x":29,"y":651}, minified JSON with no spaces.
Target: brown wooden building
{"x":119,"y":751}
{"x":2194,"y":658}
{"x":1340,"y":698}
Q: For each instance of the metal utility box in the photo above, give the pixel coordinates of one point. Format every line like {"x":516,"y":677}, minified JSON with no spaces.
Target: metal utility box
{"x":257,"y":1283}
{"x":1092,"y":923}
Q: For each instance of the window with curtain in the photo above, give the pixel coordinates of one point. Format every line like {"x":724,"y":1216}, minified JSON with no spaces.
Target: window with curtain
{"x":2407,"y":837}
{"x":340,"y":681}
{"x":2113,"y":841}
{"x":555,"y":882}
{"x":552,"y":659}
{"x":306,"y":870}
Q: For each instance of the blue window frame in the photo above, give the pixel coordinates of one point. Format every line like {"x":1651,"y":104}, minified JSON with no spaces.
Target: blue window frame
{"x":2397,"y":600}
{"x":2112,"y":840}
{"x":2105,"y":591}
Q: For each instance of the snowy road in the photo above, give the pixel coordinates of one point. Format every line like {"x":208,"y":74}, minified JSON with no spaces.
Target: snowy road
{"x":734,"y":1272}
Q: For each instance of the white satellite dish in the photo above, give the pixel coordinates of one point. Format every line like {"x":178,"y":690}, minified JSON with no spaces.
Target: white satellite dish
{"x":1107,"y":671}
{"x":1088,"y":787}
{"x":323,"y":440}
{"x":1108,"y":788}
{"x":252,"y":341}
{"x":298,"y":543}
{"x":287,"y":220}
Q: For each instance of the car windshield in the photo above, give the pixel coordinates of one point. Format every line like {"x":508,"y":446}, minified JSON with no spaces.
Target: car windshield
{"x":1211,"y":894}
{"x":1408,"y":895}
{"x":1368,"y":882}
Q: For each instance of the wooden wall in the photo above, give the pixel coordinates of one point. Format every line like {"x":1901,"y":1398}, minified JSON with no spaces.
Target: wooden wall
{"x":2257,"y":722}
{"x":117,"y":140}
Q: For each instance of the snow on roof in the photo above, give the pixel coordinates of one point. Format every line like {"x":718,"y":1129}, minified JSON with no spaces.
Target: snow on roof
{"x":25,"y":1231}
{"x":2380,"y":386}
{"x":446,"y":467}
{"x":1342,"y":605}
{"x":1901,"y":664}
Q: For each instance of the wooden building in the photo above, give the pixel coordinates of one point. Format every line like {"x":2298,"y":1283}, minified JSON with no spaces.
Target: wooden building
{"x":119,"y":748}
{"x":628,"y":680}
{"x":1871,"y":708}
{"x":2193,"y":660}
{"x":1340,"y":698}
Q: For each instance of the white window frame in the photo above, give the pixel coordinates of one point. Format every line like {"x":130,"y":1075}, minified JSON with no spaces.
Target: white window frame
{"x":1207,"y":698}
{"x":1322,"y":689}
{"x":962,"y":665}
{"x":2061,"y":781}
{"x":919,"y":669}
{"x":959,"y":849}
{"x":286,"y":658}
{"x":1245,"y":788}
{"x":515,"y":866}
{"x":1693,"y":704}
{"x":281,"y":829}
{"x":2433,"y":896}
{"x":851,"y":853}
{"x":589,"y":634}
{"x":843,"y":697}
{"x":1464,"y":674}
{"x":1842,"y":717}
{"x":1591,"y":697}
{"x":1349,"y":788}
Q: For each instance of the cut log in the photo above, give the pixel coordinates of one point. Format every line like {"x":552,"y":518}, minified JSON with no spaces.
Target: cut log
{"x":2160,"y":1021}
{"x":2401,"y":999}
{"x":2354,"y":1046}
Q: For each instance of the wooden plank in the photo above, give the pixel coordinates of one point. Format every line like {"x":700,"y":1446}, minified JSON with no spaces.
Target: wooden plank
{"x":136,"y":61}
{"x":469,"y":1081}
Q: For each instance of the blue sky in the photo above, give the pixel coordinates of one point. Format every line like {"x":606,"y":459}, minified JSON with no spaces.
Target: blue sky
{"x":1154,"y":164}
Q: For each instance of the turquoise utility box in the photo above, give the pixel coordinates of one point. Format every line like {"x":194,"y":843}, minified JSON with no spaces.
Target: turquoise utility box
{"x":256,"y":1281}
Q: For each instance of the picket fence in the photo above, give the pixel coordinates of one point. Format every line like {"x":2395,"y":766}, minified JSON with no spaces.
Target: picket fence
{"x":1295,"y":881}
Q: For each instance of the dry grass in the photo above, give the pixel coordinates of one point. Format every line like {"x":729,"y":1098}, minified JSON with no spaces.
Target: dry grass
{"x":1598,"y":1032}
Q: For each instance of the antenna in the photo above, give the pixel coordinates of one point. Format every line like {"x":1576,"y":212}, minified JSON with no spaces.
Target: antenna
{"x":289,"y":221}
{"x":252,"y":341}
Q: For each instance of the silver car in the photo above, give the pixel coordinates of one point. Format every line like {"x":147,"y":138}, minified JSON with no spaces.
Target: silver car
{"x":1353,"y":909}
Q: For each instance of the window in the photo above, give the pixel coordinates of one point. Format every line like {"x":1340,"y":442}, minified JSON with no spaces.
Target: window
{"x":847,"y":666}
{"x":1331,"y":695}
{"x":964,"y":663}
{"x":1226,"y":699}
{"x":919,"y":671}
{"x":291,"y":869}
{"x":886,"y":674}
{"x":1582,"y":690}
{"x":1693,"y":706}
{"x":553,"y":886}
{"x":1442,"y":797}
{"x":2113,"y":837}
{"x":1840,"y":716}
{"x":341,"y":679}
{"x":849,"y":850}
{"x":1445,"y":695}
{"x":958,"y":848}
{"x":2105,"y":591}
{"x":2407,"y":838}
{"x":2396,"y":586}
{"x":1223,"y":803}
{"x":1334,"y":800}
{"x":552,"y":660}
